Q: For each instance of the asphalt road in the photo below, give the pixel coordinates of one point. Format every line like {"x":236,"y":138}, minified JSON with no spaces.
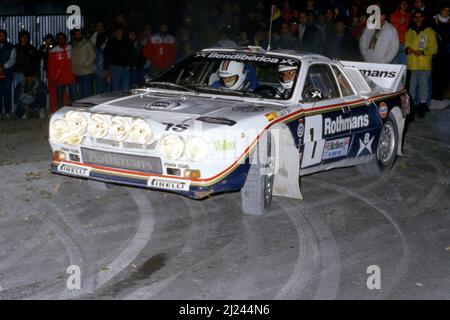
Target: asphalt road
{"x":133,"y":244}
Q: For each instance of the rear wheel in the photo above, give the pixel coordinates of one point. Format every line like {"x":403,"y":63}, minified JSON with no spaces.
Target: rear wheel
{"x":386,"y":150}
{"x":387,"y":146}
{"x":256,"y":195}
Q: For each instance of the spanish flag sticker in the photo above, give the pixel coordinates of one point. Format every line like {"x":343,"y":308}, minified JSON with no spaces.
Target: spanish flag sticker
{"x":272,"y":116}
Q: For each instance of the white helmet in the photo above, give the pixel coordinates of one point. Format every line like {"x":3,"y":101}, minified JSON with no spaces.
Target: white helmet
{"x":282,"y":68}
{"x":230,"y":69}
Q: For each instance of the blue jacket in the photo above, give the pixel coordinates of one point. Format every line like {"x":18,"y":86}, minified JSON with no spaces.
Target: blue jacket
{"x":5,"y":55}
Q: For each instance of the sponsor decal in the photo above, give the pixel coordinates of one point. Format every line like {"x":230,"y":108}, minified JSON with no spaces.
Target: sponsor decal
{"x":316,"y":94}
{"x":300,"y":129}
{"x":161,"y":105}
{"x":176,"y":127}
{"x":378,"y":73}
{"x":174,"y":165}
{"x":223,"y":146}
{"x":272,"y":116}
{"x":216,"y":120}
{"x":383,"y":110}
{"x":75,"y":170}
{"x":341,"y":124}
{"x":244,"y":57}
{"x":284,"y":112}
{"x":336,"y":148}
{"x":366,"y":144}
{"x":169,"y":184}
{"x":248,"y":109}
{"x":75,"y":151}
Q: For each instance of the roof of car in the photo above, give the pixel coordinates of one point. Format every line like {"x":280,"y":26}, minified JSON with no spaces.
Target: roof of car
{"x":302,"y":55}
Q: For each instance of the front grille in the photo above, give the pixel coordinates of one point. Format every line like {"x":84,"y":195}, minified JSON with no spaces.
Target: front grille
{"x":122,"y":161}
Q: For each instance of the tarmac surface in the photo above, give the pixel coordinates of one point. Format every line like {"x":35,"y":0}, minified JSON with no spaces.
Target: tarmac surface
{"x":130,"y":243}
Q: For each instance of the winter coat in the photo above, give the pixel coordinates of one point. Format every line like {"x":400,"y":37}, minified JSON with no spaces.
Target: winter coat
{"x":83,"y":58}
{"x":386,"y":47}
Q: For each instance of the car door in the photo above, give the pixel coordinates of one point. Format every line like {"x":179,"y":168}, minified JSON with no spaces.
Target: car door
{"x":326,"y":134}
{"x":366,"y":122}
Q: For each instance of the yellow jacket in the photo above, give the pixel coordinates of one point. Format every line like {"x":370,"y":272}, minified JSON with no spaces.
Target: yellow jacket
{"x":412,"y":39}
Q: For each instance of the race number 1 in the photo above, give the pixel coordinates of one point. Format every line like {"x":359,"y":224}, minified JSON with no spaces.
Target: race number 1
{"x":312,"y":154}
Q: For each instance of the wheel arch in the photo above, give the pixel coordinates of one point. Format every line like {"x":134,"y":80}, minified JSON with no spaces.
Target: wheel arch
{"x":400,"y":121}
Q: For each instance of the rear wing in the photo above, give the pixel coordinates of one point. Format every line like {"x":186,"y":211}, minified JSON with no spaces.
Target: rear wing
{"x":390,"y":77}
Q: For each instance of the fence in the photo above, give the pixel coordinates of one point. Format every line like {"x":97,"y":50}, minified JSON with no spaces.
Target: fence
{"x":38,"y":26}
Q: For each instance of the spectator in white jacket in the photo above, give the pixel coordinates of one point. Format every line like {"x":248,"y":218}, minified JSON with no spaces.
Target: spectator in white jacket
{"x":379,"y":45}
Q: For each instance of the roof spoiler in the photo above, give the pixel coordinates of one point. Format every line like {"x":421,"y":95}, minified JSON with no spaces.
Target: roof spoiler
{"x":390,"y":77}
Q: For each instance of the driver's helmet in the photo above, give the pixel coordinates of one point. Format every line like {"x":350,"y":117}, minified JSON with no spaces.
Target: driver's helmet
{"x":282,"y":68}
{"x":233,"y":74}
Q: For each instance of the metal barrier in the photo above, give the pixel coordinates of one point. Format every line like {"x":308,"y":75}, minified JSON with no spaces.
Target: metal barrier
{"x":38,"y":26}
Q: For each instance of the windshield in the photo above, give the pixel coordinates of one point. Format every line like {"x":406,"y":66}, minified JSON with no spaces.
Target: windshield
{"x":233,"y":74}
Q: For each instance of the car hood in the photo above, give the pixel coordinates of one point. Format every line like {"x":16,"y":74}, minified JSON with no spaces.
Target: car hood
{"x":177,"y":108}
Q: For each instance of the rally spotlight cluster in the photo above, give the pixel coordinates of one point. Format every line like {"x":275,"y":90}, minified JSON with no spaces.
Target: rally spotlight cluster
{"x":75,"y":125}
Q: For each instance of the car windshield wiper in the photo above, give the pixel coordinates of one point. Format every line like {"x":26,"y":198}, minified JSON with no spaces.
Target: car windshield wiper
{"x":231,"y":92}
{"x":171,"y":85}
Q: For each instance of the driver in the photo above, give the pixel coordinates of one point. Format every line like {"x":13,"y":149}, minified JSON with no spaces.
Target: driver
{"x":287,"y":74}
{"x":232,"y":76}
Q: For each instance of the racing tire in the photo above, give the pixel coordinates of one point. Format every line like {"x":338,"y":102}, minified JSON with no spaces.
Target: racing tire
{"x":386,"y":152}
{"x":256,"y":194}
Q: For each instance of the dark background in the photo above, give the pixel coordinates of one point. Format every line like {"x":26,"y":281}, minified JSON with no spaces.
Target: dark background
{"x":140,"y":12}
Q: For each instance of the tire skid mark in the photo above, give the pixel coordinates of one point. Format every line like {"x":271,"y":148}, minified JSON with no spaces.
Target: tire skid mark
{"x":307,"y":259}
{"x":72,"y":248}
{"x":25,"y":249}
{"x":377,"y":205}
{"x":243,"y":288}
{"x":149,"y":291}
{"x":136,"y":244}
{"x":439,"y":142}
{"x":439,"y":188}
{"x":330,"y":258}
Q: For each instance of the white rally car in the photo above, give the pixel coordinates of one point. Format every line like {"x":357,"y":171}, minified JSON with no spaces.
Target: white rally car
{"x":189,"y":133}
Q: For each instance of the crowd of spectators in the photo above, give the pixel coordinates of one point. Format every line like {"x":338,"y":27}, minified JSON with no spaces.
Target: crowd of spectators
{"x":117,"y":56}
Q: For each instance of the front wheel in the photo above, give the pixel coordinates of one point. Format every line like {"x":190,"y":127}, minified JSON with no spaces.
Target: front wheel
{"x":256,"y":195}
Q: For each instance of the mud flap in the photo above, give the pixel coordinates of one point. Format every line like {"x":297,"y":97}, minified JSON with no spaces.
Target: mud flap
{"x":287,"y":175}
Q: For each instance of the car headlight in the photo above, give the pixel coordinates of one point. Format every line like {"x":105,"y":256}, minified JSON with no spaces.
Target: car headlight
{"x":59,"y":130}
{"x":98,"y":126}
{"x":172,"y":147}
{"x":140,"y":132}
{"x":76,"y":122}
{"x":120,"y":128}
{"x":196,"y":149}
{"x":74,"y":139}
